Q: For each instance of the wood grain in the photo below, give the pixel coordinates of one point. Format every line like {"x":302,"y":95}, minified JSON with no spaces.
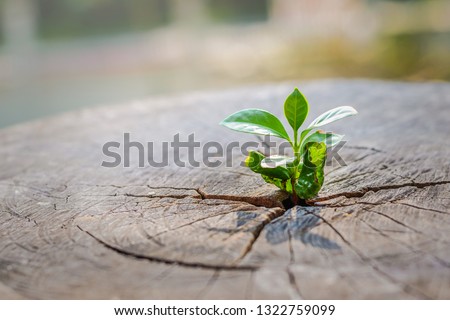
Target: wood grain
{"x":379,"y":229}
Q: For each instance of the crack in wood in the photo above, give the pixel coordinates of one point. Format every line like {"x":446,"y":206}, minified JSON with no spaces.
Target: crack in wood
{"x":292,"y":280}
{"x":262,"y":201}
{"x":293,"y":283}
{"x":256,"y":232}
{"x":361,"y":193}
{"x":256,"y":201}
{"x":151,"y":196}
{"x":267,"y":202}
{"x":172,"y":188}
{"x":165,"y":261}
{"x":374,"y":204}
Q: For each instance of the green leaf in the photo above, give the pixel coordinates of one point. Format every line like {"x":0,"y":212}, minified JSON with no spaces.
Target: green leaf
{"x":330,"y":139}
{"x":256,"y":121}
{"x":278,"y":176}
{"x":284,"y":185}
{"x":254,"y":160}
{"x":277,"y":161}
{"x":296,"y":109}
{"x":332,"y":115}
{"x":311,"y":176}
{"x":305,"y":133}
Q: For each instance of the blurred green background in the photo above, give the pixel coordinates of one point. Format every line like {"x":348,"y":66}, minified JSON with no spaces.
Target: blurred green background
{"x":58,"y":55}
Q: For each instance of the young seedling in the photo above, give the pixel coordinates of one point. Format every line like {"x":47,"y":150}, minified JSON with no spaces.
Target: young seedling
{"x":301,"y":175}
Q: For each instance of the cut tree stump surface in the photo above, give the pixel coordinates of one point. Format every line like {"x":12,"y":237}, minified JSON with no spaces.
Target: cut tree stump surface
{"x":380,"y":227}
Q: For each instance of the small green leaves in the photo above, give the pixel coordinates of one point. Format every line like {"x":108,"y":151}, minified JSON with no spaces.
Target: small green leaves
{"x":296,"y":109}
{"x":303,"y":174}
{"x":253,"y":161}
{"x":311,"y":177}
{"x":284,"y":185}
{"x":333,"y":115}
{"x":278,"y":176}
{"x":256,"y":121}
{"x":277,"y":161}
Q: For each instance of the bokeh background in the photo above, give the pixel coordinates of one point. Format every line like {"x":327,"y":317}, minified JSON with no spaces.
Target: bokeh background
{"x":59,"y":55}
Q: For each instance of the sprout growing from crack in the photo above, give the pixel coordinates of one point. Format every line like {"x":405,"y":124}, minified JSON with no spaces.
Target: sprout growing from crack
{"x":302,"y":175}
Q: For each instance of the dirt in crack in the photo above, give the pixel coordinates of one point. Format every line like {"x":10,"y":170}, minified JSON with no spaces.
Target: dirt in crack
{"x":288,"y":203}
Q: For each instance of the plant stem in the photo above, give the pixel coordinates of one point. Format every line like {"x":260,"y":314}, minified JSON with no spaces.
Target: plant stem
{"x":295,"y":148}
{"x":295,"y":140}
{"x":294,"y":195}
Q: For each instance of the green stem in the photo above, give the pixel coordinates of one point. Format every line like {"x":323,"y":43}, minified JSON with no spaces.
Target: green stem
{"x":296,"y":148}
{"x":294,"y":195}
{"x":295,"y":140}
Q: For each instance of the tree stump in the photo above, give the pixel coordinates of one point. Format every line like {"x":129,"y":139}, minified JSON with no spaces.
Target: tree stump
{"x":380,"y":227}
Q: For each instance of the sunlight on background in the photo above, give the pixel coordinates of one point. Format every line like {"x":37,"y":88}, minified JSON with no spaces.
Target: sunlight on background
{"x":59,"y":55}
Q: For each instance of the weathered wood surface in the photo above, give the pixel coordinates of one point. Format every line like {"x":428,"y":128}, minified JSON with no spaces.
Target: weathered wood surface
{"x":70,"y":228}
